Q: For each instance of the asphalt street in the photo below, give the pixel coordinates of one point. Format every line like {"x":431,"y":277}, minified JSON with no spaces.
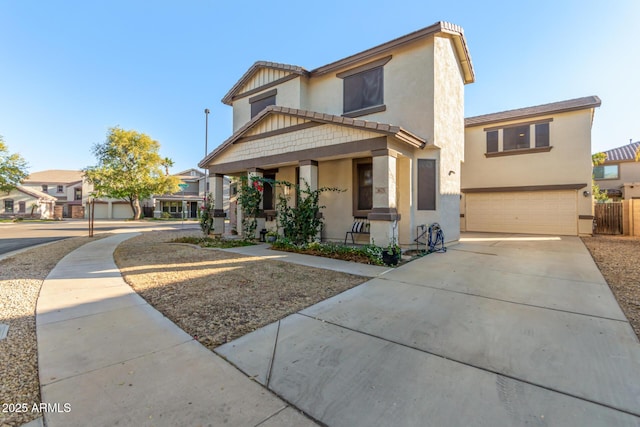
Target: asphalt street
{"x":22,"y":235}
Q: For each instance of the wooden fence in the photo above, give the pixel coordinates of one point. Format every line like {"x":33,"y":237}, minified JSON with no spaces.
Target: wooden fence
{"x":608,"y":218}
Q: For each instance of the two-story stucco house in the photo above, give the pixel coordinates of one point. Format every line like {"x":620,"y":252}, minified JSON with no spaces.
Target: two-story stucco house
{"x":66,"y":186}
{"x":529,"y":170}
{"x":619,"y":175}
{"x":386,"y":125}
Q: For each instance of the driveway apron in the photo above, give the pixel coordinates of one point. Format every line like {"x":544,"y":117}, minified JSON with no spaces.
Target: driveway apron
{"x":501,"y":330}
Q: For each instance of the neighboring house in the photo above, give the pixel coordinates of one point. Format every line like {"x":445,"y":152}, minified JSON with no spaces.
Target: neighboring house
{"x":27,"y":202}
{"x":386,"y":125}
{"x":529,"y":170}
{"x":619,"y":175}
{"x":188,"y":200}
{"x":66,"y":186}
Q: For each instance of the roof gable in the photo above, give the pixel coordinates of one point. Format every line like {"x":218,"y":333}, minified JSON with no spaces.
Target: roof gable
{"x":275,"y":119}
{"x":35,"y":193}
{"x":262,"y":75}
{"x":585,"y":103}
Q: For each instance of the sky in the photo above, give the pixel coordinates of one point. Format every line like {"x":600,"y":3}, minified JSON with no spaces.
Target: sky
{"x":70,"y":70}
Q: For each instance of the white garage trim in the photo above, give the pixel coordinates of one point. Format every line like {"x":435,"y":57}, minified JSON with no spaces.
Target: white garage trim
{"x":532,"y":212}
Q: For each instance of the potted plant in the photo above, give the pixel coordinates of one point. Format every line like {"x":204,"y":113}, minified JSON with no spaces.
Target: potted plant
{"x":272,"y":236}
{"x":391,"y":254}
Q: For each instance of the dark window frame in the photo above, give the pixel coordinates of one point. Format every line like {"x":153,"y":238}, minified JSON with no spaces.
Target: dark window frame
{"x":355,"y":81}
{"x":541,"y":132}
{"x":9,"y":206}
{"x":492,"y":141}
{"x":45,"y":188}
{"x":358,"y":165}
{"x":427,"y":176}
{"x":262,"y":101}
{"x":60,"y":189}
{"x":603,"y":168}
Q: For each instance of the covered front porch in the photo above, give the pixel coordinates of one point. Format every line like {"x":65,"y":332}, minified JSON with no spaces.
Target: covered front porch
{"x":371,"y":163}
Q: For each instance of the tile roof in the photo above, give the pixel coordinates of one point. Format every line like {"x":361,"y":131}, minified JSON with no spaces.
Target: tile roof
{"x":55,"y":176}
{"x":538,"y":110}
{"x":35,"y":193}
{"x":624,"y":153}
{"x":456,"y":31}
{"x":383,"y":128}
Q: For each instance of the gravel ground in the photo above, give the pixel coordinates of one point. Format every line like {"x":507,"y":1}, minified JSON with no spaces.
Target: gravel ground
{"x":618,"y":258}
{"x":21,"y":277}
{"x":218,"y":296}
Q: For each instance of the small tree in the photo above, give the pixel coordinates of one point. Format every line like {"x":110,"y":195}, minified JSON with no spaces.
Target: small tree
{"x":130,"y":168}
{"x":13,"y":168}
{"x":599,"y":195}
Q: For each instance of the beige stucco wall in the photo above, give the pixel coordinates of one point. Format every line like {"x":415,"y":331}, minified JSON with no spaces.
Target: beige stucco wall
{"x":568,"y":162}
{"x":408,"y":90}
{"x":290,"y":94}
{"x":337,"y":214}
{"x":319,"y":136}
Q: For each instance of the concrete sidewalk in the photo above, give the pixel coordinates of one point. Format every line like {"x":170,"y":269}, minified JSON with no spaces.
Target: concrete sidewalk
{"x":502,"y":330}
{"x":108,"y":358}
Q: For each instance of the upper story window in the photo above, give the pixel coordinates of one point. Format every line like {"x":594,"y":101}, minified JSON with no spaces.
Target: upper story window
{"x":523,"y":138}
{"x":45,"y":188}
{"x":60,"y":189}
{"x":77,"y":194}
{"x":606,"y":172}
{"x":262,"y":101}
{"x":363,"y":88}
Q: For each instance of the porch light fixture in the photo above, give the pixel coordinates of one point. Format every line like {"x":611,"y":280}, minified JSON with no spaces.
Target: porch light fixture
{"x":585,"y":193}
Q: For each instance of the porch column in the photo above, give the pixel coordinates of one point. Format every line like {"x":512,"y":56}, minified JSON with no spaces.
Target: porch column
{"x":157,"y":211}
{"x":384,"y":214}
{"x":109,"y":209}
{"x":309,"y":177}
{"x":308,"y":174}
{"x":257,"y":173}
{"x":218,"y":204}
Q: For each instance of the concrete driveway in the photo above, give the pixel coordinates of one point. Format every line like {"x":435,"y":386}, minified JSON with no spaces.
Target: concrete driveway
{"x":502,"y":330}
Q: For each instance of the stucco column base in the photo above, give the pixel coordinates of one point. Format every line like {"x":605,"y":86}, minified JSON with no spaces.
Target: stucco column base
{"x":262,"y":222}
{"x":383,"y":232}
{"x":218,"y":222}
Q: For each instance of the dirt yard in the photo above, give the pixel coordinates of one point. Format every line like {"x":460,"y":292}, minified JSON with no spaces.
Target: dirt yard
{"x":618,"y":258}
{"x":218,"y":296}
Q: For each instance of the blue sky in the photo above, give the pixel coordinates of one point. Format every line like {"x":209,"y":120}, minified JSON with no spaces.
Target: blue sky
{"x":72,"y":69}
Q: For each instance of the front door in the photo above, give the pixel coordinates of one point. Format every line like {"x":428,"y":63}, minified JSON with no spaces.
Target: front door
{"x":194,"y":210}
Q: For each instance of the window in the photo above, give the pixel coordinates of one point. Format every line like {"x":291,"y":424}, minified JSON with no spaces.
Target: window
{"x":521,"y":138}
{"x":173,"y":207}
{"x":426,"y":184}
{"x":606,"y":172}
{"x":492,"y":141}
{"x":22,"y":208}
{"x":362,"y":187}
{"x":363,"y":90}
{"x":60,"y":189}
{"x":262,"y":101}
{"x":77,"y":193}
{"x":8,"y":206}
{"x":515,"y":138}
{"x":542,"y":135}
{"x":45,"y":188}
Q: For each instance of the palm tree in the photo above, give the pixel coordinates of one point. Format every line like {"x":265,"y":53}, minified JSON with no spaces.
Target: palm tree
{"x":167,"y":163}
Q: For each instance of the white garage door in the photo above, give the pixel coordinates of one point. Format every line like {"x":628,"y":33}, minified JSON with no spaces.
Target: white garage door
{"x":535,"y":212}
{"x":101,"y":211}
{"x":122,"y":211}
